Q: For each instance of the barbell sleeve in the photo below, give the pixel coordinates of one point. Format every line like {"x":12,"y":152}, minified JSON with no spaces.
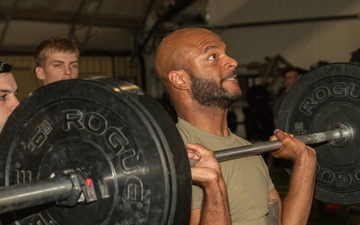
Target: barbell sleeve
{"x":25,"y":195}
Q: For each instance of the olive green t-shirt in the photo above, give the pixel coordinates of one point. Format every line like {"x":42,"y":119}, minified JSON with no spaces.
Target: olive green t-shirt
{"x":247,"y":179}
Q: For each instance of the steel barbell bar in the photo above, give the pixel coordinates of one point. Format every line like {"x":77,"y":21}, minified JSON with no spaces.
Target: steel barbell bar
{"x":15,"y":197}
{"x":64,"y":190}
{"x":19,"y":196}
{"x":338,"y":134}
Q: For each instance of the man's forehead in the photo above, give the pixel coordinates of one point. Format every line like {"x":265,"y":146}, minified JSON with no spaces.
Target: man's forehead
{"x":61,"y":56}
{"x":190,"y":35}
{"x":204,"y":42}
{"x":5,"y":75}
{"x":7,"y":82}
{"x":292,"y":74}
{"x":186,"y":42}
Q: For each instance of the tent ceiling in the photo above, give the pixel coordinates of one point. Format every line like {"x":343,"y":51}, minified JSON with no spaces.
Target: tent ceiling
{"x":251,"y":28}
{"x":97,"y":25}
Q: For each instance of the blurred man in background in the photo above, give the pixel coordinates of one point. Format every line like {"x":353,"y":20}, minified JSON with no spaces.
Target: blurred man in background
{"x":8,"y":91}
{"x":290,"y":76}
{"x":56,"y":59}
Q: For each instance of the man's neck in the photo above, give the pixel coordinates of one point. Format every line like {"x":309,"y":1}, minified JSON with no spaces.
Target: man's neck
{"x":209,"y":119}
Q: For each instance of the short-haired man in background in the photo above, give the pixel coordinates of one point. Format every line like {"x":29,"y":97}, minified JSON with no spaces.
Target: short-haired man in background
{"x":56,"y":59}
{"x":8,"y":91}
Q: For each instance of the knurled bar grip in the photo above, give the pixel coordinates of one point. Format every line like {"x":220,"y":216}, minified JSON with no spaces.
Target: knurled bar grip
{"x":21,"y":196}
{"x":268,"y":146}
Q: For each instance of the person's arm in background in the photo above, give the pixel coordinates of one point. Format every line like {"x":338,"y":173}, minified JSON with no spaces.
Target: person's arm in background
{"x":207,"y":174}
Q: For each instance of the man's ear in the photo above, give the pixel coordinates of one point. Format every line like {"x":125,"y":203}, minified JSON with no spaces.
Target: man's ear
{"x":178,"y":79}
{"x":39,"y":71}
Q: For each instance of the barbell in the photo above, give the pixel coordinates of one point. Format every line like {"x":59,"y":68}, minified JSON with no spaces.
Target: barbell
{"x":103,"y":152}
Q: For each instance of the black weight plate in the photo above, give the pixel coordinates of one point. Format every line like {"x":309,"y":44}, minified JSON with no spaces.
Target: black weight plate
{"x":327,"y":95}
{"x":112,"y":131}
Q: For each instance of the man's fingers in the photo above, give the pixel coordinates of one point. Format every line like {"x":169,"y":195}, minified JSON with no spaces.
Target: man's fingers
{"x":279,"y":134}
{"x":192,"y":154}
{"x":199,"y":149}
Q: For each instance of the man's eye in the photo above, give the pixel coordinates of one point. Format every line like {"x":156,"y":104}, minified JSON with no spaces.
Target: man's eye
{"x":56,"y":65}
{"x":2,"y":97}
{"x":212,"y":57}
{"x":74,"y":66}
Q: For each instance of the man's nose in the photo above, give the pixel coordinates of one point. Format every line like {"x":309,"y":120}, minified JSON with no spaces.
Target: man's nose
{"x":15,"y":103}
{"x":231,"y":63}
{"x":68,"y":70}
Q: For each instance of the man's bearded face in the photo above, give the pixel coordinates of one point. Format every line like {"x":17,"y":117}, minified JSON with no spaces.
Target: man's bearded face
{"x":209,"y":93}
